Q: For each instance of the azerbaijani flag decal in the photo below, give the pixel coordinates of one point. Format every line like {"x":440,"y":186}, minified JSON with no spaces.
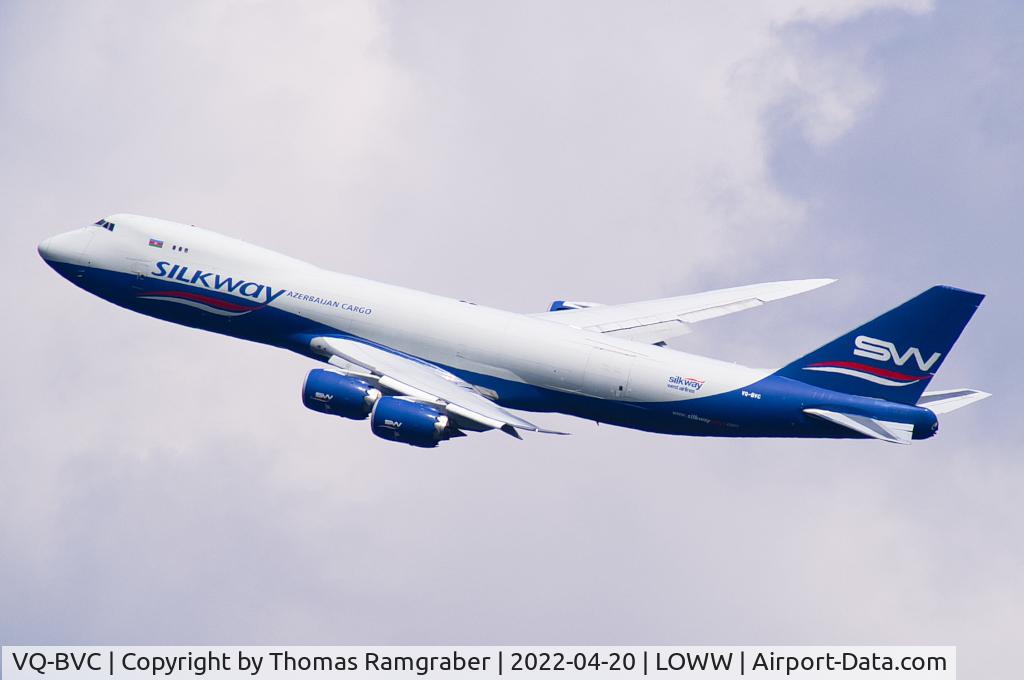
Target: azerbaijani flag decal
{"x":156,"y":243}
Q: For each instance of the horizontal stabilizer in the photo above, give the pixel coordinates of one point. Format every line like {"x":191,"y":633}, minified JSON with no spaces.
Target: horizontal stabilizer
{"x":885,"y":430}
{"x":945,"y":401}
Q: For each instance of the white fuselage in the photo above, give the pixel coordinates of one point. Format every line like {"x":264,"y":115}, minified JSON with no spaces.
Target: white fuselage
{"x":535,"y":362}
{"x":480,"y":344}
{"x":453,"y":333}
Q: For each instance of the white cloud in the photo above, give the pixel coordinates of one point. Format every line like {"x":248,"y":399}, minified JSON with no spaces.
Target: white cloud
{"x":544,"y":132}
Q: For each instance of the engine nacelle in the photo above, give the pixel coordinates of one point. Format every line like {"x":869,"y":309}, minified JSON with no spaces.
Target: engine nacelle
{"x":409,"y":422}
{"x":338,"y":395}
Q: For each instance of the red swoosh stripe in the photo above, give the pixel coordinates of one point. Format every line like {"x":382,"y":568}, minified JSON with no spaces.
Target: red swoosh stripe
{"x":206,"y":300}
{"x":881,"y":372}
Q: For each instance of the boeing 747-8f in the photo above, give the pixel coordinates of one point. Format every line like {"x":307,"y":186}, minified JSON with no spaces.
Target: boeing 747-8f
{"x":424,"y":368}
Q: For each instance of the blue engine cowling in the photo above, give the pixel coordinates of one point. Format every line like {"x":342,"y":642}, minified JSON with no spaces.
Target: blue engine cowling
{"x":338,"y":395}
{"x":409,"y":422}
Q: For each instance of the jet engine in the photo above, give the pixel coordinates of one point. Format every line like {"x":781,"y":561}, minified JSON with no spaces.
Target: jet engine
{"x":339,"y":395}
{"x":410,"y":422}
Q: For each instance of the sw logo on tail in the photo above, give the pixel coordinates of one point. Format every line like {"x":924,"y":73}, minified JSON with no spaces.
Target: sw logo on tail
{"x":883,"y":350}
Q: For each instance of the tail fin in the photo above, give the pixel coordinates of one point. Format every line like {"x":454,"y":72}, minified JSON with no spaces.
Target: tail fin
{"x":894,"y":356}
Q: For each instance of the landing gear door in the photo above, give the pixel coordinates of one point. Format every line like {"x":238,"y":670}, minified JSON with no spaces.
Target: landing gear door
{"x":608,"y":372}
{"x":85,"y":261}
{"x":139,"y":268}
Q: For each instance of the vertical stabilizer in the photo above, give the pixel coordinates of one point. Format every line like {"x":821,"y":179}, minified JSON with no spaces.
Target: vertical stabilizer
{"x":894,"y":356}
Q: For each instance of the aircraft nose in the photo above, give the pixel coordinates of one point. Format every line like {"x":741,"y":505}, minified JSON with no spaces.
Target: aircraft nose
{"x":46,"y":249}
{"x":66,"y":247}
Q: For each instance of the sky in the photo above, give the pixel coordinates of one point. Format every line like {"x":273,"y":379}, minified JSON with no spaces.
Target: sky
{"x":162,"y":485}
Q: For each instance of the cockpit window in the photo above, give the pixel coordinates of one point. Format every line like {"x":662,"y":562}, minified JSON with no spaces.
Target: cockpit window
{"x":109,"y":226}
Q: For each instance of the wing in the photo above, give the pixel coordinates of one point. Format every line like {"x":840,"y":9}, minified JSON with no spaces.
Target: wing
{"x":658,"y":320}
{"x":422,"y":381}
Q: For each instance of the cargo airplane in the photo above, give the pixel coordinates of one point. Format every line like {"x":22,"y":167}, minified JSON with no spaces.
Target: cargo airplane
{"x":424,"y":369}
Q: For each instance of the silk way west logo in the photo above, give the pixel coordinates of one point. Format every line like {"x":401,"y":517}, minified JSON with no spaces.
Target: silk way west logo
{"x":884,"y":351}
{"x":229,"y":296}
{"x":688,"y":385}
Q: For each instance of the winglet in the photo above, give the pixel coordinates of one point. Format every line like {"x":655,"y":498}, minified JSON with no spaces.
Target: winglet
{"x":544,"y":431}
{"x":783,"y":289}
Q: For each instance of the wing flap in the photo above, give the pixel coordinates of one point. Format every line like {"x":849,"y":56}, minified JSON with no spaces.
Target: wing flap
{"x":884,"y":430}
{"x":652,"y":333}
{"x":721,"y":310}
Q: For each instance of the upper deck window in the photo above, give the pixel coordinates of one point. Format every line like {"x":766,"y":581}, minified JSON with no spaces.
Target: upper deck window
{"x":109,"y":226}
